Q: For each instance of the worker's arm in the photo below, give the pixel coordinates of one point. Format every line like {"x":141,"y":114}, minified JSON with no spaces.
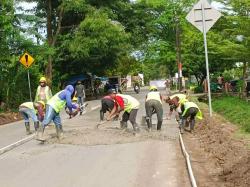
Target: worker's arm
{"x":69,"y":103}
{"x":118,"y":107}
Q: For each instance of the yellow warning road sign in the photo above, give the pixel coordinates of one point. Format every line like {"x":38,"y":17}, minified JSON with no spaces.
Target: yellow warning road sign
{"x":26,"y":60}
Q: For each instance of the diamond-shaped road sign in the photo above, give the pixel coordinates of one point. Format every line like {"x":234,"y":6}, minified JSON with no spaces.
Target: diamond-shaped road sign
{"x":195,"y":15}
{"x":26,"y":60}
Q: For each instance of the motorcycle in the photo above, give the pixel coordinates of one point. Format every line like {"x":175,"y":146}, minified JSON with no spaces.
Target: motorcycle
{"x":137,"y":88}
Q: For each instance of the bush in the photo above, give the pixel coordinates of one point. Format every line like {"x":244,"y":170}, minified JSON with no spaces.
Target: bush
{"x":198,"y":89}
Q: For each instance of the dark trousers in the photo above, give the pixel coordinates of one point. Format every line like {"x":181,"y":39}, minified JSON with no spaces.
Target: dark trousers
{"x":191,"y":112}
{"x":130,"y":117}
{"x":107,"y":105}
{"x":152,"y":107}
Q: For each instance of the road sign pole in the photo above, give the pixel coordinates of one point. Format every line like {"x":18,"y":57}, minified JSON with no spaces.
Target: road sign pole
{"x":206,"y":55}
{"x":29,"y":84}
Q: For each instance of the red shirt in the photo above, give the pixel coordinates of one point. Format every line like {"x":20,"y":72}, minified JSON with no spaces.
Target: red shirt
{"x":119,"y":102}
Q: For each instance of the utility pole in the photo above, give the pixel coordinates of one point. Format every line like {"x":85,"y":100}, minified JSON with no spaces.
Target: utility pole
{"x":178,"y":51}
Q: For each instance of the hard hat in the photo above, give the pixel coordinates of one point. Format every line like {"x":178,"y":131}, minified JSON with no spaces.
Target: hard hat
{"x":152,"y":88}
{"x":42,"y":102}
{"x":42,"y":79}
{"x":74,"y":98}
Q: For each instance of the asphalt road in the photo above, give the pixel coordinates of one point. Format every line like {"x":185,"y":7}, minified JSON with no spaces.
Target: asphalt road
{"x":90,"y":157}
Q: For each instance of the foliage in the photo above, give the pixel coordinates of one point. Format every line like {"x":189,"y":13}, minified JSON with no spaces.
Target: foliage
{"x":115,"y":37}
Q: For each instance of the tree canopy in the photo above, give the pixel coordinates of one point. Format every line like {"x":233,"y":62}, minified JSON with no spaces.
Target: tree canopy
{"x":113,"y":37}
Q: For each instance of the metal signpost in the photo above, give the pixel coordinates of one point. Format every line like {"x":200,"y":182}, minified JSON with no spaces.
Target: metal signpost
{"x":27,"y":61}
{"x":203,"y":17}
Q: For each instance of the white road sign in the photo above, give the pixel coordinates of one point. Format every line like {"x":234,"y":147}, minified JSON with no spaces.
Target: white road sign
{"x":195,"y":15}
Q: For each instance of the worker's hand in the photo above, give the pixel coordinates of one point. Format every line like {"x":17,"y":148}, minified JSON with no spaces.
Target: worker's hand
{"x":75,"y":106}
{"x":73,"y":114}
{"x":108,"y":118}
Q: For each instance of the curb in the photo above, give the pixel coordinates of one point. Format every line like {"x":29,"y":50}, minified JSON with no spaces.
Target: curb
{"x":189,"y":167}
{"x":20,"y":142}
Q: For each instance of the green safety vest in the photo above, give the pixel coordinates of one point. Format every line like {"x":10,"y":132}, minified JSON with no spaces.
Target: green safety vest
{"x":56,"y":103}
{"x":29,"y":105}
{"x":188,"y":105}
{"x":154,"y":96}
{"x":47,"y":93}
{"x":129,"y":102}
{"x":180,"y":96}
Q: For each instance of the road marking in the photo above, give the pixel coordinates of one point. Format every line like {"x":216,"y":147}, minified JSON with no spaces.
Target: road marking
{"x":95,"y":107}
{"x":190,"y":171}
{"x":22,"y":141}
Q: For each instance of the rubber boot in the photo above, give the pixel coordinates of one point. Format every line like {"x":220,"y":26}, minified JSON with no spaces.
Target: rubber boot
{"x":27,"y":127}
{"x":159,"y":125}
{"x":36,"y":125}
{"x":182,"y":126}
{"x":136,"y":128}
{"x":101,"y":115}
{"x":192,"y":125}
{"x":149,"y":123}
{"x":123,"y":124}
{"x":59,"y":132}
{"x":40,"y":133}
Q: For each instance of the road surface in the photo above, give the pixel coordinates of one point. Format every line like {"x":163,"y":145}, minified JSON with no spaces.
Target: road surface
{"x":90,"y":157}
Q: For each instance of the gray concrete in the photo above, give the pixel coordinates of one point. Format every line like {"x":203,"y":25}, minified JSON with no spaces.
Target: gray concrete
{"x":140,"y":163}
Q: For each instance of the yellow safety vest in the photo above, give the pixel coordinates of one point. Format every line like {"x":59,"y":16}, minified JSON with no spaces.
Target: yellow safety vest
{"x":188,"y":105}
{"x":56,"y":103}
{"x":154,"y":96}
{"x":129,"y":102}
{"x":182,"y":98}
{"x":47,"y":93}
{"x":29,"y":105}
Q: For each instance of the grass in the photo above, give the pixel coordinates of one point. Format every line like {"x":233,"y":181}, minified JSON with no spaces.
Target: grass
{"x":234,"y":110}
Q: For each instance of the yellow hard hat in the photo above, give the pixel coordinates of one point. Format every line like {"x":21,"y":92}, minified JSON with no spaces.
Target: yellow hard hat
{"x":42,"y":79}
{"x":42,"y":102}
{"x":74,"y":98}
{"x":152,"y":88}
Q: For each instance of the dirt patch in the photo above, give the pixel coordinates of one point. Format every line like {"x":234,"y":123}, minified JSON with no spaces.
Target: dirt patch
{"x":218,"y":157}
{"x":9,"y":117}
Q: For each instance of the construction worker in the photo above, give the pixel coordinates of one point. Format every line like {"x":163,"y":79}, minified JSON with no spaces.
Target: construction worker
{"x":118,"y":106}
{"x":174,"y":102}
{"x":33,"y":110}
{"x":53,"y":108}
{"x":153,"y":105}
{"x":189,"y":109}
{"x":80,"y":94}
{"x":107,"y":103}
{"x":131,"y":106}
{"x":43,"y":92}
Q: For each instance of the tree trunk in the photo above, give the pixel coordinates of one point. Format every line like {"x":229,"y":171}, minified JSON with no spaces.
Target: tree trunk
{"x":50,"y":40}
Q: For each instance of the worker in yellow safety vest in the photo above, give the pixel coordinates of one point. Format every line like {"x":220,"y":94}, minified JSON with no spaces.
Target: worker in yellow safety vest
{"x":174,"y":104}
{"x":153,"y":105}
{"x":131,"y":107}
{"x":53,"y":108}
{"x":43,"y":92}
{"x":33,"y":110}
{"x":189,"y":110}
